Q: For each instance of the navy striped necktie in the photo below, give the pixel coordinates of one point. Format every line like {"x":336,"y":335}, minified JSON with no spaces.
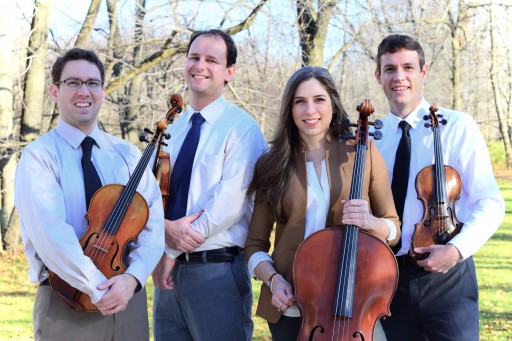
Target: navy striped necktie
{"x":180,"y":179}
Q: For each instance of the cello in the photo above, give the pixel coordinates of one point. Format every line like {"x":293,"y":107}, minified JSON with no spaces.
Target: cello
{"x":438,"y":187}
{"x":117,"y":214}
{"x":343,"y":290}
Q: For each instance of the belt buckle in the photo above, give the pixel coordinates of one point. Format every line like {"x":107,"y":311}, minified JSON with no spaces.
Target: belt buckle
{"x":203,"y":257}
{"x":187,"y":258}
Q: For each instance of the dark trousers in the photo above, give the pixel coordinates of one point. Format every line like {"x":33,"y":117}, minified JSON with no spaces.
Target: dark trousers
{"x":434,"y":306}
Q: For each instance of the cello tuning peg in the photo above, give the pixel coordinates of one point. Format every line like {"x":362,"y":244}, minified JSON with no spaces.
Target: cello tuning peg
{"x":426,"y":117}
{"x":347,"y":137}
{"x":427,"y":125}
{"x":377,"y":124}
{"x":163,"y":143}
{"x":167,"y":136}
{"x":377,"y":135}
{"x":147,"y":131}
{"x":443,"y":121}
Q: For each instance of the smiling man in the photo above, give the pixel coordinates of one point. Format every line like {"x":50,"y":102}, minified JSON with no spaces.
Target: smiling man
{"x":437,"y":293}
{"x":52,"y":198}
{"x":203,"y":285}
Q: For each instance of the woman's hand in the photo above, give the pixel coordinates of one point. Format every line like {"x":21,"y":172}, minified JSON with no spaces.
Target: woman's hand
{"x":356,"y":212}
{"x":281,"y":293}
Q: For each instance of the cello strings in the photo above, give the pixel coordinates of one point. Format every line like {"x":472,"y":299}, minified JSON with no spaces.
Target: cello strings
{"x":350,"y":241}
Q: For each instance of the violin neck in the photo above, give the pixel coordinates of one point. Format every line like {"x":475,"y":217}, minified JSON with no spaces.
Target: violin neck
{"x":114,"y":221}
{"x":439,"y":171}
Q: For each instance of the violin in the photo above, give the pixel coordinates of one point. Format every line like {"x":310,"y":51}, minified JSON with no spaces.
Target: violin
{"x":438,"y":187}
{"x":344,"y":277}
{"x":117,"y":214}
{"x":162,"y":164}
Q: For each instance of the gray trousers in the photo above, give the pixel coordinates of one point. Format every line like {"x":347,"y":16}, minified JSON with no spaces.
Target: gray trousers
{"x":54,"y":320}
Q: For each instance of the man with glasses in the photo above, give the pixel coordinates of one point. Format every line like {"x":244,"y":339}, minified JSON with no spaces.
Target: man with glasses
{"x":52,"y":197}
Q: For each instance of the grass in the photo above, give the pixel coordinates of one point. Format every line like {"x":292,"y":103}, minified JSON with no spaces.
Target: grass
{"x":493,"y":263}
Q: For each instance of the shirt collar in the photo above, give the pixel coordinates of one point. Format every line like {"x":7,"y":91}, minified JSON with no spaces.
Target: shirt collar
{"x":415,"y":118}
{"x":75,"y":136}
{"x":211,"y":112}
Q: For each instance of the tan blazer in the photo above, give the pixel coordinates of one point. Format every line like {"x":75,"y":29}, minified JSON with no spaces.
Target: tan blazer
{"x":289,"y":235}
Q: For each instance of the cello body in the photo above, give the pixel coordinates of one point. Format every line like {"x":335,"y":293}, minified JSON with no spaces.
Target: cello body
{"x":375,"y":284}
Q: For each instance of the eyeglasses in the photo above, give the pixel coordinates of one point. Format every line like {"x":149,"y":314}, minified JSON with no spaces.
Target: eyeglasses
{"x":75,"y":84}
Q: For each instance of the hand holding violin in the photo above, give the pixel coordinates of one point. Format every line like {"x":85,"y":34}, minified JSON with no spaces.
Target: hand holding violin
{"x":120,"y":291}
{"x":441,"y":258}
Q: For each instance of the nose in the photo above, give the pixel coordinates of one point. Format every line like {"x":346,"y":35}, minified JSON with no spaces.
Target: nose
{"x":310,"y":107}
{"x":83,"y":90}
{"x":399,"y":74}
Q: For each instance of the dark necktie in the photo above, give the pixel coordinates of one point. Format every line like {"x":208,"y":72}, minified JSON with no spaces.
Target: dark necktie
{"x":401,"y":174}
{"x":180,"y":179}
{"x":92,"y":181}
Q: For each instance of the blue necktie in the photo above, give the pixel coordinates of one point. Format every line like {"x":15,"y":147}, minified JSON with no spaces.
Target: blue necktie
{"x":92,"y":181}
{"x":180,"y":179}
{"x":401,"y":174}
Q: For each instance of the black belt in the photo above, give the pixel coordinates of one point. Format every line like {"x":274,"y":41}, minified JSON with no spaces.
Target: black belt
{"x":45,"y":282}
{"x":226,"y":254}
{"x":406,"y":261}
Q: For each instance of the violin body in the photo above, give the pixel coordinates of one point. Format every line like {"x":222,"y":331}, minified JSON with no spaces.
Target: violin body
{"x":439,"y":223}
{"x":438,"y":187}
{"x":376,"y":278}
{"x":107,"y":251}
{"x":162,"y":171}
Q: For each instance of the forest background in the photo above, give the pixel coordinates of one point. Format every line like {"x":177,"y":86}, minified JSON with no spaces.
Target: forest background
{"x":142,"y":42}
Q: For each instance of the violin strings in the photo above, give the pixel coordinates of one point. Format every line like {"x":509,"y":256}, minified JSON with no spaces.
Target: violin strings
{"x":114,"y":221}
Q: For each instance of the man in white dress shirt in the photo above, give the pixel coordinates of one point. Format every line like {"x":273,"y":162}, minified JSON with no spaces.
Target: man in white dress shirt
{"x":437,"y":297}
{"x":51,"y":201}
{"x":208,"y":295}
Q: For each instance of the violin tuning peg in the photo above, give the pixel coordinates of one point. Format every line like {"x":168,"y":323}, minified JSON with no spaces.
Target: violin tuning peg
{"x":443,"y":121}
{"x":427,"y":125}
{"x":146,"y":130}
{"x":167,"y":136}
{"x":142,"y":138}
{"x":426,"y":117}
{"x":164,"y":144}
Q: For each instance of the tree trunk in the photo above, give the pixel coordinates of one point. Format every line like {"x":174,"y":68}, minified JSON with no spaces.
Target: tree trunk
{"x":499,"y":101}
{"x":34,"y":90}
{"x":130,"y":126}
{"x":84,"y":37}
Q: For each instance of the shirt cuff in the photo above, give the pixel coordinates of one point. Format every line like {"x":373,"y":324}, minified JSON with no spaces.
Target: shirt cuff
{"x":256,"y":259}
{"x":392,"y":229}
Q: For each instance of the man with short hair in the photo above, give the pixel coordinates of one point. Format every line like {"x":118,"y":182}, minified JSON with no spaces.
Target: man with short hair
{"x":207,"y":295}
{"x":437,"y":293}
{"x":52,"y":195}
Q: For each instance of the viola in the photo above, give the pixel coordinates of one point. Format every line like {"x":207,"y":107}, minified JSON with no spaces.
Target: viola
{"x":438,"y":187}
{"x":117,"y":214}
{"x":344,"y":277}
{"x":162,"y":164}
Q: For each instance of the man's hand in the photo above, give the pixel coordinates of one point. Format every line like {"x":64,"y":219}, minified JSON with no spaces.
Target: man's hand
{"x":120,"y":291}
{"x":441,"y":258}
{"x":162,"y":274}
{"x":179,"y":235}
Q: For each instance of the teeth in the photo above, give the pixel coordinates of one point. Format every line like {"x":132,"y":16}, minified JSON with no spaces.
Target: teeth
{"x":311,"y":121}
{"x":200,"y":77}
{"x":82,"y":105}
{"x":400,"y":88}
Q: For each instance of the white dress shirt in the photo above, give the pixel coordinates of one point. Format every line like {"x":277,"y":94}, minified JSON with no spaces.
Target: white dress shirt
{"x":50,"y":198}
{"x":481,"y":206}
{"x":230,"y":144}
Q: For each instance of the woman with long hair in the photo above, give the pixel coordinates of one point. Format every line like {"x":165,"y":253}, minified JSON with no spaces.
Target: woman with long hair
{"x":302,"y":184}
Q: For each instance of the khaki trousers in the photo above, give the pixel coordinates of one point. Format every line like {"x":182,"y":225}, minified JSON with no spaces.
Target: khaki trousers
{"x":54,"y":320}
